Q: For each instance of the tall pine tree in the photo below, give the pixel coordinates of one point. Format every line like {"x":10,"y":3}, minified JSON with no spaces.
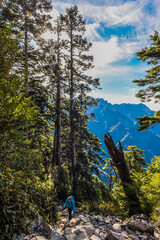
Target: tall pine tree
{"x":76,"y":63}
{"x":151,"y":82}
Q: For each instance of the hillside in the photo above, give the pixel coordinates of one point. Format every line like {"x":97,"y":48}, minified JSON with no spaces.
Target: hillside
{"x":120,"y":121}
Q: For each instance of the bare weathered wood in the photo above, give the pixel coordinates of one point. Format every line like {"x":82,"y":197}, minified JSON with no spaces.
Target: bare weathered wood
{"x":118,"y":159}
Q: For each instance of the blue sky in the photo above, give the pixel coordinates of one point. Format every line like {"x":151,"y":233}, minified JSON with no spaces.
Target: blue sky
{"x":117,"y":29}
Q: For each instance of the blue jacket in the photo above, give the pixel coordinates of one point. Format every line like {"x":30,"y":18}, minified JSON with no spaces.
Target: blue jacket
{"x":70,"y":204}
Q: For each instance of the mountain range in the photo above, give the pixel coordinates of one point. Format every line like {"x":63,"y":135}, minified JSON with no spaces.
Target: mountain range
{"x":120,"y":121}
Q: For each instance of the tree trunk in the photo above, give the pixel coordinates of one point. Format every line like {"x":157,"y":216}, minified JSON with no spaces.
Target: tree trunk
{"x":73,"y":149}
{"x":57,"y":134}
{"x":58,"y":126}
{"x":26,"y":50}
{"x":117,"y":156}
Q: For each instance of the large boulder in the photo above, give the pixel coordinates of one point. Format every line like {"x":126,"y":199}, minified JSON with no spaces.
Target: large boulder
{"x":140,"y":226}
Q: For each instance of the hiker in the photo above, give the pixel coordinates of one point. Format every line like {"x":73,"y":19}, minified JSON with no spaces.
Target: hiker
{"x":70,"y":204}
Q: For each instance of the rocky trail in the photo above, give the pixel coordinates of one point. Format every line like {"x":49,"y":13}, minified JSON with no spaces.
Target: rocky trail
{"x":87,"y":227}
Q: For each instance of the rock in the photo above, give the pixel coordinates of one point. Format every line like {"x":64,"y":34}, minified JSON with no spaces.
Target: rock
{"x":103,"y":234}
{"x":81,"y":236}
{"x":68,"y":230}
{"x":28,"y":237}
{"x":143,"y":237}
{"x":74,"y":221}
{"x":140,"y":226}
{"x":94,"y":237}
{"x":157,"y":234}
{"x":112,"y":219}
{"x":100,"y":219}
{"x":84,"y":219}
{"x":86,"y":227}
{"x":124,"y":234}
{"x":133,"y":237}
{"x":39,"y":238}
{"x":89,"y":230}
{"x":64,"y":220}
{"x":114,"y":236}
{"x":78,"y":232}
{"x":56,"y":236}
{"x":70,"y":237}
{"x":117,"y":226}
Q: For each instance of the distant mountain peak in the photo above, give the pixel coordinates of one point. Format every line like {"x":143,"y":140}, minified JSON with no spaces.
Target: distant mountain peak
{"x":121,"y":121}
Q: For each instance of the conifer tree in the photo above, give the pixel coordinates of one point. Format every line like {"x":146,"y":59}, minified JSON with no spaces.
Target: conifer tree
{"x":27,"y":21}
{"x":30,"y":18}
{"x":58,"y":78}
{"x":151,"y":82}
{"x":77,"y":62}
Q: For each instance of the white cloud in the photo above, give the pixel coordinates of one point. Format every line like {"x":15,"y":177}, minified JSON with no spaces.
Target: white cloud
{"x":110,"y":55}
{"x":91,"y":32}
{"x":105,"y":52}
{"x":117,"y":13}
{"x":109,"y":52}
{"x":118,"y":98}
{"x":61,"y":6}
{"x":128,"y":13}
{"x":111,"y":15}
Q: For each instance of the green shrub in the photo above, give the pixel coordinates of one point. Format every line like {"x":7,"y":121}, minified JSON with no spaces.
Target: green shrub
{"x":87,"y":191}
{"x":100,"y":208}
{"x":22,"y":199}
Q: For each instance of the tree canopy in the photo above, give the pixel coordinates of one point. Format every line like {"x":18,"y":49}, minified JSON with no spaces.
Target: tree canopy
{"x":151,"y":82}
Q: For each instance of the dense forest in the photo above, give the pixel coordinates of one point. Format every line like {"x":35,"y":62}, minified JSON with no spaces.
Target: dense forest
{"x":46,"y":149}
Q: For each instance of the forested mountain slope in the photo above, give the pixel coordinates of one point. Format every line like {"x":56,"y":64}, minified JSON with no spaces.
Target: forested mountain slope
{"x":120,"y":121}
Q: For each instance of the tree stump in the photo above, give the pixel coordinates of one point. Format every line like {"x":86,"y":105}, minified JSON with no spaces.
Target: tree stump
{"x":118,"y":159}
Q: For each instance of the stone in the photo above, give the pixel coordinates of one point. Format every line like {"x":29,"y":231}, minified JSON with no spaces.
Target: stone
{"x":99,"y":218}
{"x":117,"y":226}
{"x":112,"y":219}
{"x":107,"y":221}
{"x":64,"y":220}
{"x":134,"y":237}
{"x":114,"y":236}
{"x":70,"y":236}
{"x":68,"y":230}
{"x":78,"y":231}
{"x":157,"y":235}
{"x":139,"y":226}
{"x":89,"y":230}
{"x":83,"y":218}
{"x":103,"y":234}
{"x":81,"y":236}
{"x":56,"y":236}
{"x":124,"y":234}
{"x":144,"y":237}
{"x":28,"y":237}
{"x":38,"y":238}
{"x":74,"y":221}
{"x":97,"y":231}
{"x":94,"y":237}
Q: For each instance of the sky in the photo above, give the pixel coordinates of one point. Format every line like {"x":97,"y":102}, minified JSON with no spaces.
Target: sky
{"x":117,"y":29}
